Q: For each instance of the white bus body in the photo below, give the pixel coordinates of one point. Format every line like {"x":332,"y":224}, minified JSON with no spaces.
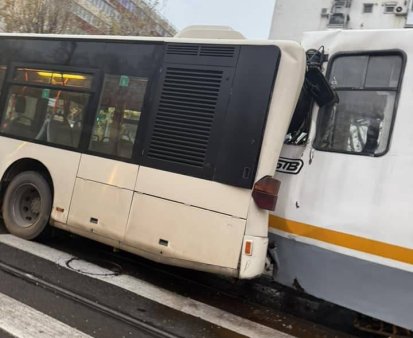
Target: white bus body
{"x":343,"y":223}
{"x":161,"y":214}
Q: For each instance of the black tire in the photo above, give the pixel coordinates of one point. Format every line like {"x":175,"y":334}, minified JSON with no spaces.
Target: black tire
{"x":27,"y":205}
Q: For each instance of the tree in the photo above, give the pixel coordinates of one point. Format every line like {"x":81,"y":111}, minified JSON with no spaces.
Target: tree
{"x":37,"y":16}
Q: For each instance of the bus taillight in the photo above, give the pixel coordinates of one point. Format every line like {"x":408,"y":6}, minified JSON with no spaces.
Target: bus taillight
{"x":265,"y":192}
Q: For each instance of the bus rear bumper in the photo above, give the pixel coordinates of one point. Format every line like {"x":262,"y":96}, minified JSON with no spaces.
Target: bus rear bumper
{"x":253,"y":257}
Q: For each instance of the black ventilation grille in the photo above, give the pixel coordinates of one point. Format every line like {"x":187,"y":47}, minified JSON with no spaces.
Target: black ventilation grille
{"x":201,"y":50}
{"x":216,"y":50}
{"x":185,"y":116}
{"x":182,"y":49}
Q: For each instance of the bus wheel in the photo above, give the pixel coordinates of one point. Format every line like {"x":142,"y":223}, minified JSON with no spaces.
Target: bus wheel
{"x":27,"y":205}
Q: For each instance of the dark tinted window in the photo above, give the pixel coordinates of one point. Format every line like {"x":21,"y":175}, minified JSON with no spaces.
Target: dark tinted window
{"x":117,"y":120}
{"x":44,"y":114}
{"x":361,"y":122}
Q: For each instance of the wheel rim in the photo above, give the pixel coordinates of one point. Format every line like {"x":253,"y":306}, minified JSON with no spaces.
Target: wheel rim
{"x":26,"y":205}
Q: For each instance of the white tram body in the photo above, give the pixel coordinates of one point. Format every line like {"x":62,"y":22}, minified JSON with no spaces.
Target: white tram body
{"x":161,"y":214}
{"x":343,"y":223}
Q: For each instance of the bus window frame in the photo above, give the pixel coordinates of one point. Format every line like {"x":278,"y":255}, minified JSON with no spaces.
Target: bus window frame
{"x":91,"y":105}
{"x":137,"y":156}
{"x":397,"y":90}
{"x":145,"y":118}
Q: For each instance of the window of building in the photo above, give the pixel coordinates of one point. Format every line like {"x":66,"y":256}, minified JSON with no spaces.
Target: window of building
{"x":367,"y":8}
{"x":129,"y":5}
{"x":389,"y":8}
{"x":39,"y":107}
{"x":117,"y":120}
{"x":87,"y":16}
{"x":337,"y":19}
{"x":367,"y":86}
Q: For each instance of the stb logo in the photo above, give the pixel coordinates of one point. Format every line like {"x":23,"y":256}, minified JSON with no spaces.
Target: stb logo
{"x":289,"y":166}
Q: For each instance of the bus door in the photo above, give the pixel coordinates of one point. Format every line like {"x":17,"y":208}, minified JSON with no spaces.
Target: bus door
{"x":106,"y":178}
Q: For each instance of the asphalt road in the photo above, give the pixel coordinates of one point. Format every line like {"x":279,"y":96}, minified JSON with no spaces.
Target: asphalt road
{"x":259,"y":301}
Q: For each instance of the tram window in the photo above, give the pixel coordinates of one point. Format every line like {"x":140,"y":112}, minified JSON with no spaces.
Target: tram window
{"x":117,"y":120}
{"x":300,"y":123}
{"x":44,"y":114}
{"x":361,"y":122}
{"x":348,"y":71}
{"x":383,"y":71}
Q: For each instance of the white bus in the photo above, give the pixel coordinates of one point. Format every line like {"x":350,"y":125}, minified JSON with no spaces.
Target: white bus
{"x":163,"y":147}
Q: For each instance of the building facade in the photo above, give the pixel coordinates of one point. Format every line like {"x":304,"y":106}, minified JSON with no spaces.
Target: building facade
{"x":112,"y":17}
{"x":103,"y":16}
{"x":293,"y":17}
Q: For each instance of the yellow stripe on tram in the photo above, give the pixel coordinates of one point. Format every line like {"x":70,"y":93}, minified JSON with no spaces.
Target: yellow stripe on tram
{"x":362,"y":244}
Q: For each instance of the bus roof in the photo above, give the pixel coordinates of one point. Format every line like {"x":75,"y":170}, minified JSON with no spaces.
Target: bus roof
{"x":119,"y":38}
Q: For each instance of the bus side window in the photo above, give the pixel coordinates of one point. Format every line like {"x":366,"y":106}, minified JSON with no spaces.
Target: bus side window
{"x":367,"y":87}
{"x":47,"y":114}
{"x":117,"y":119}
{"x":55,"y":120}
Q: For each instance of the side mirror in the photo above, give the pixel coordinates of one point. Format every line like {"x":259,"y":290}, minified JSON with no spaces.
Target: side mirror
{"x":319,"y":87}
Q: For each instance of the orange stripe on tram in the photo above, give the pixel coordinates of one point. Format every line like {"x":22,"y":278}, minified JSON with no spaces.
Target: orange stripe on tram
{"x":362,"y":244}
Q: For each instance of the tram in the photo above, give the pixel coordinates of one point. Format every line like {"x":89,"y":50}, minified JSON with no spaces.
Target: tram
{"x":342,"y":228}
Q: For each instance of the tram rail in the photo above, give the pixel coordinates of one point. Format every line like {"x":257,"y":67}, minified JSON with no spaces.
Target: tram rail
{"x":152,"y":330}
{"x":222,"y":292}
{"x":363,"y":326}
{"x":242,"y":298}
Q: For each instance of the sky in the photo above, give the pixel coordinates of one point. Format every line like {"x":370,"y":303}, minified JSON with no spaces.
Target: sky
{"x":250,"y":17}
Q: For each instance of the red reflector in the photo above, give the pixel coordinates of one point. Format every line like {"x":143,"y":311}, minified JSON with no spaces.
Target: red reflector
{"x":265,"y":192}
